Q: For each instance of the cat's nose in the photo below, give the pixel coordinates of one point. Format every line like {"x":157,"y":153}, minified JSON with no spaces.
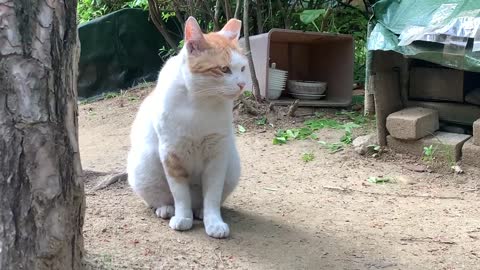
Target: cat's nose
{"x":241,"y":85}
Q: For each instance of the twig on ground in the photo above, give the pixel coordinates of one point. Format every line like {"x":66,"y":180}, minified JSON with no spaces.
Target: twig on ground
{"x":350,"y":190}
{"x":108,"y":181}
{"x":428,"y":240}
{"x":293,"y":108}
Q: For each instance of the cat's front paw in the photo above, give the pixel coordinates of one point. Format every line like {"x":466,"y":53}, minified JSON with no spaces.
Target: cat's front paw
{"x":218,"y":229}
{"x":165,"y":212}
{"x":181,"y":223}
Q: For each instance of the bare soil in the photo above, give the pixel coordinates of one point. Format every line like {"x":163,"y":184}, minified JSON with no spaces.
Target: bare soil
{"x":286,"y":213}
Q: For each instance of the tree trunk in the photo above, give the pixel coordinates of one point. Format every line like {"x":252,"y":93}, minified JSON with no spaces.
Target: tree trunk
{"x":41,"y":193}
{"x":259,"y":10}
{"x":369,"y":102}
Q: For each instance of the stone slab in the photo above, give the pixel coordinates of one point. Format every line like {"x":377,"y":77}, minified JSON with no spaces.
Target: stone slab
{"x":412,"y":123}
{"x":448,"y":146}
{"x":471,"y":154}
{"x":476,"y":132}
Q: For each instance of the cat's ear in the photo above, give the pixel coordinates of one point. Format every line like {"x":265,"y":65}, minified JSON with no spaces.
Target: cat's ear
{"x":194,"y":39}
{"x":231,"y":30}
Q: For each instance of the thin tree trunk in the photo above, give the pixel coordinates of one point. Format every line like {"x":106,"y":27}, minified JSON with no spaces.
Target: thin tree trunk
{"x":259,"y":9}
{"x":237,"y":9}
{"x":41,"y":195}
{"x":228,"y":9}
{"x":369,"y":102}
{"x":256,"y":88}
{"x":178,"y":14}
{"x":216,"y":15}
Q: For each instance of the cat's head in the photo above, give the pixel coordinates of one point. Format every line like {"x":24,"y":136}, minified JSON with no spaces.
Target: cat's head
{"x":216,"y":66}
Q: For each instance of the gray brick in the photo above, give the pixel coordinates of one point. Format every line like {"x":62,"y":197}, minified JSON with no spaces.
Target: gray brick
{"x":412,"y":123}
{"x":448,"y":146}
{"x":471,"y":154}
{"x":476,"y":132}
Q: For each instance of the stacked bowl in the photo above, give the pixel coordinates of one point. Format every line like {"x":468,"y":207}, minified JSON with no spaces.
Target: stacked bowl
{"x":276,"y":82}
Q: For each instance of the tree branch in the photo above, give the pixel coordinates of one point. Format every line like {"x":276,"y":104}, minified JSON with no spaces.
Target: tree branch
{"x":237,"y":9}
{"x":246,"y":34}
{"x":156,"y":17}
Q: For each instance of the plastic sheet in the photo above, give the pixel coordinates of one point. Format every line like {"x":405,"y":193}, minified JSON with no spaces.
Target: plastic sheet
{"x":120,"y":50}
{"x":446,"y":32}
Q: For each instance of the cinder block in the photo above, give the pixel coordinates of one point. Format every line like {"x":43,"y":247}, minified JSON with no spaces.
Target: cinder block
{"x":476,"y":132}
{"x":448,"y":146}
{"x":471,"y":154}
{"x":436,"y":84}
{"x":412,"y":123}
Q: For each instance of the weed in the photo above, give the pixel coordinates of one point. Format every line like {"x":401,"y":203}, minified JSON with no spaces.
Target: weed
{"x":333,"y":147}
{"x":262,"y":121}
{"x":111,"y":95}
{"x":379,"y":180}
{"x":247,"y":94}
{"x":429,"y":153}
{"x":307,"y":157}
{"x":241,"y":129}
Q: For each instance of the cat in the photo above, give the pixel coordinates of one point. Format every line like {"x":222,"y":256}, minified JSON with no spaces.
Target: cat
{"x":183,"y":153}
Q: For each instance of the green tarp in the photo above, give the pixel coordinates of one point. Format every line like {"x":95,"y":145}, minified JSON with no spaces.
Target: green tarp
{"x":120,"y":50}
{"x":444,"y":32}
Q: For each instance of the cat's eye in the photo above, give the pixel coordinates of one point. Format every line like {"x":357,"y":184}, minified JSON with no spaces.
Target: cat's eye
{"x":226,"y":69}
{"x":243,"y":68}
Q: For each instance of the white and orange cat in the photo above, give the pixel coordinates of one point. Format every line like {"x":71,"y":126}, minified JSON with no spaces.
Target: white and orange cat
{"x":183,"y":159}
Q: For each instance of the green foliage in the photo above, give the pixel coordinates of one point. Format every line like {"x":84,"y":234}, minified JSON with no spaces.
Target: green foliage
{"x":344,"y":21}
{"x":309,"y":16}
{"x":88,"y":10}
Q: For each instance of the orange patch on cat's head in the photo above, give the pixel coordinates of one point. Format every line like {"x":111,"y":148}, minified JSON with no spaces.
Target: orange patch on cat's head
{"x":209,"y":53}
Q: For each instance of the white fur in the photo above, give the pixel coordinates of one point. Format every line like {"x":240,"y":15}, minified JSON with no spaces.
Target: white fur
{"x":191,"y":116}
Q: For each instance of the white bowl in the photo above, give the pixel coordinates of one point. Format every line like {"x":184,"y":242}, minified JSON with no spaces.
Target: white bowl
{"x":274,"y":93}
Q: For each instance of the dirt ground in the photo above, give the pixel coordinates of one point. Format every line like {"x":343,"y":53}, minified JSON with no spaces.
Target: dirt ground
{"x":285,"y":214}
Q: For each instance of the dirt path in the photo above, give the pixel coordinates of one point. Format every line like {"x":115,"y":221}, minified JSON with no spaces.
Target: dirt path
{"x":285,"y":214}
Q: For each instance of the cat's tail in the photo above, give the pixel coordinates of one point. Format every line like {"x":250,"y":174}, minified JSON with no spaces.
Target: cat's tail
{"x":110,"y":180}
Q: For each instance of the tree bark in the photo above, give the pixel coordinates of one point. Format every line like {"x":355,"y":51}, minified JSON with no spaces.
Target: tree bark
{"x":41,"y":193}
{"x":246,"y":35}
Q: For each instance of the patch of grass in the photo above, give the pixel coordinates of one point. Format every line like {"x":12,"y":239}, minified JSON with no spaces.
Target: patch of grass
{"x":320,"y":122}
{"x":110,"y":95}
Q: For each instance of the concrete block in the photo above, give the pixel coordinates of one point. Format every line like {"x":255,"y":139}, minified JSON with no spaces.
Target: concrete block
{"x":412,"y":123}
{"x":436,"y":84}
{"x":476,"y":132}
{"x":471,"y":154}
{"x":448,"y":146}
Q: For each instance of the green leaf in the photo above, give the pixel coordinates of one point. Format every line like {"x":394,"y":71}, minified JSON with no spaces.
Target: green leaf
{"x":241,"y":129}
{"x":279,"y":140}
{"x":310,"y":15}
{"x":379,"y":180}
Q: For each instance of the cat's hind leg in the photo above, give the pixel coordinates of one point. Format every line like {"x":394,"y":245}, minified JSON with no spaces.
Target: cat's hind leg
{"x":147,"y":179}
